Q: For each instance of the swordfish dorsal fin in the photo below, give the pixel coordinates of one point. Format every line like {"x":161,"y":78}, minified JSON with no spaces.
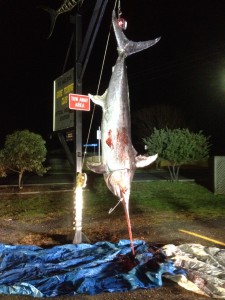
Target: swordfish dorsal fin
{"x":99,"y":100}
{"x":127,"y":46}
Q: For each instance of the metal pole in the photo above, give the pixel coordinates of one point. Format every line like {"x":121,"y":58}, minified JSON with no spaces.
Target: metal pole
{"x":78,"y":85}
{"x":99,"y":143}
{"x":78,"y":133}
{"x":79,"y":71}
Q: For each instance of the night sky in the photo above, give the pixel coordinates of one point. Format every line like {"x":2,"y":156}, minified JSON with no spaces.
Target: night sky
{"x":185,"y":69}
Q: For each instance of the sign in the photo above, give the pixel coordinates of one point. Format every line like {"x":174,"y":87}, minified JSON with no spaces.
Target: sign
{"x":69,"y":136}
{"x":63,"y":118}
{"x":90,"y":145}
{"x":79,"y":102}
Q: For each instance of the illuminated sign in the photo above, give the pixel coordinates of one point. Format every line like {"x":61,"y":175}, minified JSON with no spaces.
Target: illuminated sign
{"x":63,"y":117}
{"x":90,"y":145}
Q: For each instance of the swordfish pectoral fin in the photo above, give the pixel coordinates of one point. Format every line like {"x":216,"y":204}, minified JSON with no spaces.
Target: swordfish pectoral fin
{"x":143,"y":161}
{"x":97,"y":99}
{"x":96,"y":167}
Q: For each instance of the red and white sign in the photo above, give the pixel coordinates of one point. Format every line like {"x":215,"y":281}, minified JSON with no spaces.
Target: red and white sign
{"x":79,"y":102}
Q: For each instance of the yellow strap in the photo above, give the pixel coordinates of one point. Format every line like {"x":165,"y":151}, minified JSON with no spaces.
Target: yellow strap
{"x":81,"y":180}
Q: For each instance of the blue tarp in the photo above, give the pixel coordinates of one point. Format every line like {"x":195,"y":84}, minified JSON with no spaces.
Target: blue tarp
{"x":80,"y":269}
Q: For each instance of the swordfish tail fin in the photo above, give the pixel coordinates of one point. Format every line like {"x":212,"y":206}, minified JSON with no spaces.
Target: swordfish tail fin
{"x":127,"y":46}
{"x":53,"y":16}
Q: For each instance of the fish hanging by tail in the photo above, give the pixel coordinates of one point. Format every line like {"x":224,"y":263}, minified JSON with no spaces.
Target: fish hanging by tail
{"x":66,"y":6}
{"x":119,"y":158}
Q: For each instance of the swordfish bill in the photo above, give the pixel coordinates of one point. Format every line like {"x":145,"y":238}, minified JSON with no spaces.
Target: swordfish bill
{"x":119,"y":158}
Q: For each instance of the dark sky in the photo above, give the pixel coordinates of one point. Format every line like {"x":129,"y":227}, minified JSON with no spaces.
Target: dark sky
{"x":185,"y":69}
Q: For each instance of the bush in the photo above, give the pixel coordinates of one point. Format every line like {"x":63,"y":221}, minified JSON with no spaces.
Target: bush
{"x":178,"y":146}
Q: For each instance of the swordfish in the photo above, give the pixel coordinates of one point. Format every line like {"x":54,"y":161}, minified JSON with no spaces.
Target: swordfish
{"x":119,"y":158}
{"x":66,"y":6}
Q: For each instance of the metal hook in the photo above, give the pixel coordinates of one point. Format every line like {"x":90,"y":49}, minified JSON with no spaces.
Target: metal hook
{"x":112,"y":209}
{"x":119,"y":9}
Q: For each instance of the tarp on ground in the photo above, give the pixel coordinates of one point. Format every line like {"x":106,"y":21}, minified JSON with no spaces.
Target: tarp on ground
{"x":204,"y":266}
{"x":80,"y":269}
{"x":102,"y":267}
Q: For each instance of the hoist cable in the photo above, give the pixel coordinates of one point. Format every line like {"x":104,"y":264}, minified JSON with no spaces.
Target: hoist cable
{"x":99,"y":82}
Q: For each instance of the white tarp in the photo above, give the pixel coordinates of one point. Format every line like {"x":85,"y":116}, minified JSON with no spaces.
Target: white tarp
{"x":205,"y":267}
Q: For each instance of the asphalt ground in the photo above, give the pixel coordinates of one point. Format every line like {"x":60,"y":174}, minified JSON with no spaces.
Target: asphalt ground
{"x":67,"y":177}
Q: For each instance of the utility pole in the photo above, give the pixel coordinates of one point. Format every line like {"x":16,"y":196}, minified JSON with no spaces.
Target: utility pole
{"x":78,"y":90}
{"x":78,"y":193}
{"x":82,"y":54}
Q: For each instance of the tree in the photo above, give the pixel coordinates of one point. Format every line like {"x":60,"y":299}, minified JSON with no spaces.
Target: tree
{"x":23,"y":151}
{"x":178,"y":146}
{"x":2,"y":165}
{"x":159,"y":116}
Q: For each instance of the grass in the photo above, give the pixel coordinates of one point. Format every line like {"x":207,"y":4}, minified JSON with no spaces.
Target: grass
{"x":35,"y":207}
{"x":156,"y":197}
{"x":187,"y":197}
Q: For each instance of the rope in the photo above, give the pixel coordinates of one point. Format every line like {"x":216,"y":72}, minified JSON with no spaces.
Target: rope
{"x":100,"y":77}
